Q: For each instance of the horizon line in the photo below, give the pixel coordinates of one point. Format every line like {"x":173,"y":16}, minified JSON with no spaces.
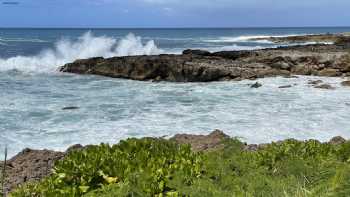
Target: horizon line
{"x":227,"y":27}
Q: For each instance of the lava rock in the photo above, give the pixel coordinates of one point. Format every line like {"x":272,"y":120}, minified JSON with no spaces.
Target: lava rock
{"x":337,"y":140}
{"x":196,"y":52}
{"x":212,"y":141}
{"x":286,"y":86}
{"x":325,"y":86}
{"x":256,"y":85}
{"x":345,"y":83}
{"x":70,"y":108}
{"x":316,"y":82}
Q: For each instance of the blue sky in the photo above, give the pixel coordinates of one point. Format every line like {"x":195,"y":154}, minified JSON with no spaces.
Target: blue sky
{"x":174,"y":13}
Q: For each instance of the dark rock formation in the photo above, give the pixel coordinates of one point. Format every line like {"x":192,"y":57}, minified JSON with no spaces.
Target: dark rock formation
{"x":337,"y":140}
{"x":70,"y":108}
{"x":195,"y":52}
{"x":256,"y":85}
{"x":325,"y":86}
{"x":212,"y":141}
{"x":177,"y":68}
{"x":316,"y":82}
{"x":345,"y":83}
{"x":338,"y":39}
{"x":203,"y":66}
{"x":286,"y":86}
{"x":29,"y":165}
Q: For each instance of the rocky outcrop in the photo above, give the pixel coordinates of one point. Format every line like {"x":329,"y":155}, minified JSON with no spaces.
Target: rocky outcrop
{"x":203,"y":66}
{"x":209,"y":142}
{"x":29,"y":165}
{"x":256,"y":85}
{"x":338,"y":39}
{"x":325,"y":86}
{"x":176,"y":68}
{"x":286,"y":86}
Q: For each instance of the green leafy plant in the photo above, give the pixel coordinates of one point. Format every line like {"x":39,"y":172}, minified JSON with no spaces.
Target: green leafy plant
{"x":95,"y":167}
{"x":157,"y":167}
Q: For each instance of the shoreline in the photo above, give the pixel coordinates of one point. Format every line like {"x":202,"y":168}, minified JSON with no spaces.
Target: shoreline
{"x":331,"y":60}
{"x":198,"y":66}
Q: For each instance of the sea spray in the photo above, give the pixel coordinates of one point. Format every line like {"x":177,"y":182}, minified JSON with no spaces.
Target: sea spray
{"x":85,"y":46}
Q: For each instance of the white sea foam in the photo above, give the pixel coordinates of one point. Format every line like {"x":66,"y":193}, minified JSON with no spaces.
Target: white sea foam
{"x":86,"y":46}
{"x":234,"y":47}
{"x":21,"y":40}
{"x":263,"y":39}
{"x":251,"y":38}
{"x":114,"y":109}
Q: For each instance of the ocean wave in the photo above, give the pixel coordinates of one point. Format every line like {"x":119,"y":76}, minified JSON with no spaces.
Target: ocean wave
{"x":234,"y":47}
{"x":21,"y":40}
{"x":250,"y":38}
{"x":86,"y":46}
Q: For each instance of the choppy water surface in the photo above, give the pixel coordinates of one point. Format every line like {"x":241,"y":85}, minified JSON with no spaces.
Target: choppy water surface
{"x":114,"y":109}
{"x":33,"y":94}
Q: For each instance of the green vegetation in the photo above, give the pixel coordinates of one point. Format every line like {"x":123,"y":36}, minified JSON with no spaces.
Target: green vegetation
{"x":3,"y":174}
{"x":155,"y":167}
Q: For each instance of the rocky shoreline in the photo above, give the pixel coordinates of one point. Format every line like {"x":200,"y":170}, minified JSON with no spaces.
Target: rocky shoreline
{"x":300,"y":39}
{"x":34,"y":165}
{"x":330,"y":60}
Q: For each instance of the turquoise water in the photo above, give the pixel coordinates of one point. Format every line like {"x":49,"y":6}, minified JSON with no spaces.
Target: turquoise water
{"x":33,"y":94}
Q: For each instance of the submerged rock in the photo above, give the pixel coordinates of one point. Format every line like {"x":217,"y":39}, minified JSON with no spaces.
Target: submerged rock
{"x":325,"y":86}
{"x":286,"y":86}
{"x":316,"y":82}
{"x":70,"y":108}
{"x":345,"y":83}
{"x":256,"y":85}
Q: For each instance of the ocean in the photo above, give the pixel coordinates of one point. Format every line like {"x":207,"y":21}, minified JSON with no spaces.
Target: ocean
{"x":33,"y":93}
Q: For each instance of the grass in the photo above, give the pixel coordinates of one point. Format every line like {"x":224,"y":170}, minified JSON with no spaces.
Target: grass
{"x":156,"y":167}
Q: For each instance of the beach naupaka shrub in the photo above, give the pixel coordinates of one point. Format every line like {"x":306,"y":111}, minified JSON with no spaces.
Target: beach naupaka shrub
{"x":149,"y":163}
{"x":157,"y":167}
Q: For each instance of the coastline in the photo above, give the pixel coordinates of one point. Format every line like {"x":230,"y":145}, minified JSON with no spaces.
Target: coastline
{"x":329,"y":60}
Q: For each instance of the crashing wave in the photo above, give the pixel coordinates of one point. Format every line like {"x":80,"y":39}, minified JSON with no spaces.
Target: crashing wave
{"x":86,"y":46}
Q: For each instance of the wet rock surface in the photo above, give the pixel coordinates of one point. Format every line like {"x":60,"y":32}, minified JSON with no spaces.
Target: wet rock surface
{"x":256,"y":85}
{"x":338,"y":39}
{"x":325,"y":86}
{"x":345,"y":83}
{"x":331,"y":60}
{"x":286,"y":86}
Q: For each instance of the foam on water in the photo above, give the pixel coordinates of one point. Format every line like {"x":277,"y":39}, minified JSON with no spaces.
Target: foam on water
{"x":21,"y":40}
{"x":114,"y":109}
{"x":31,"y":112}
{"x":249,"y":38}
{"x":86,"y":46}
